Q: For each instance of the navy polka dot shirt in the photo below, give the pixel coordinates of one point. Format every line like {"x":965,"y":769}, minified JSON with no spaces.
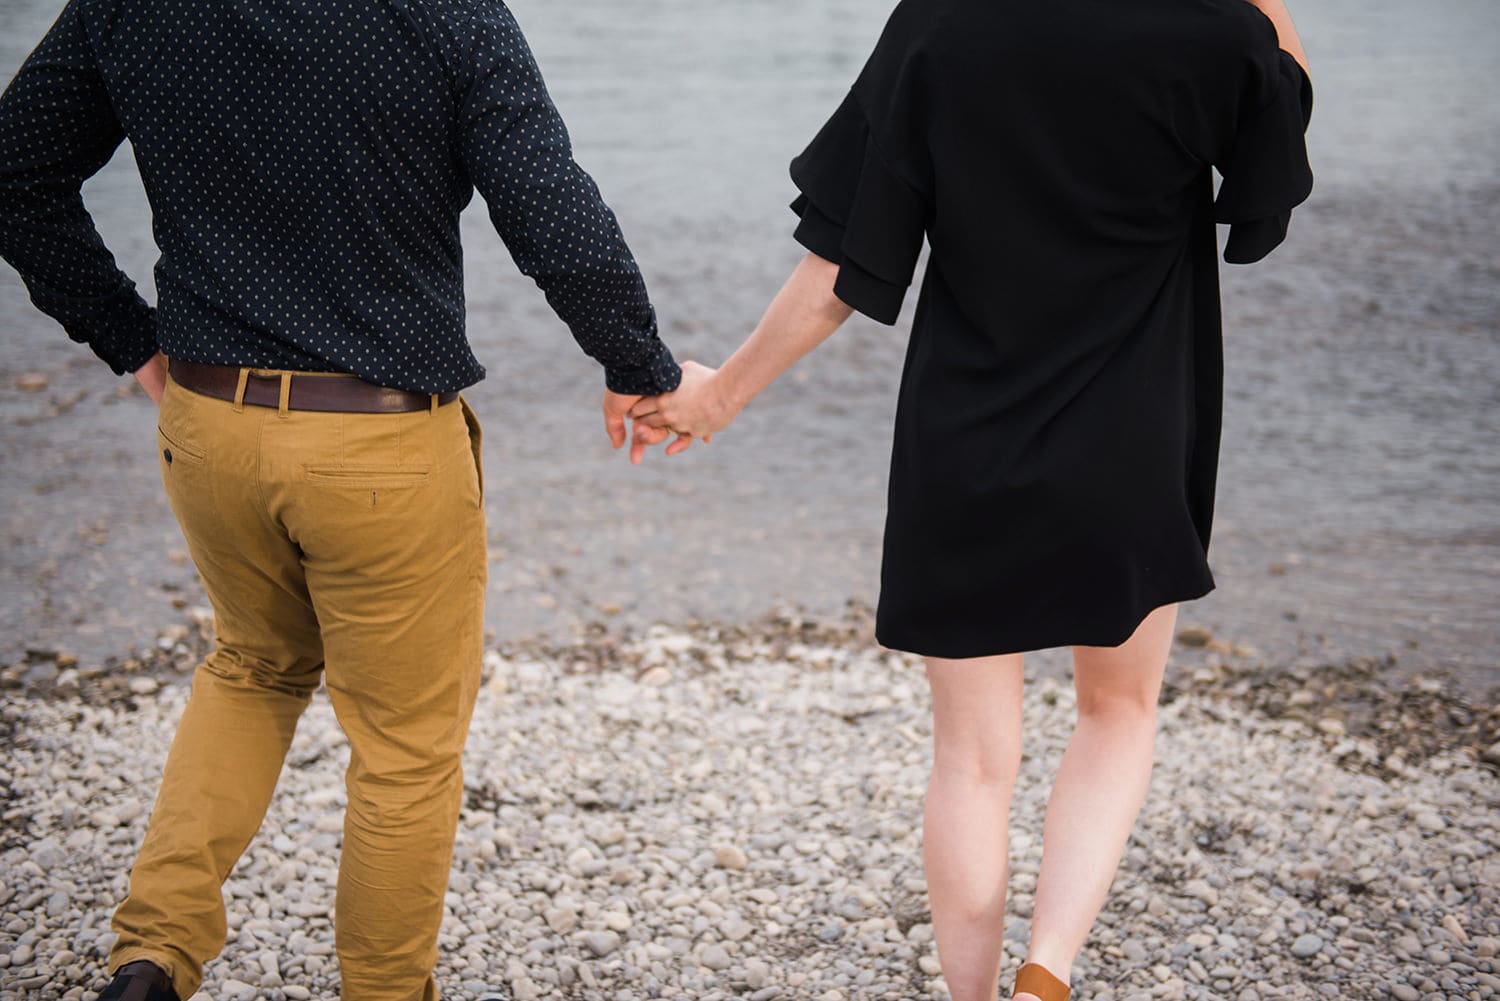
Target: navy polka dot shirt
{"x":306,"y":163}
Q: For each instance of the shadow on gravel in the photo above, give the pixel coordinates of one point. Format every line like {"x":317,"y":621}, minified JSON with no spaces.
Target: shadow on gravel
{"x":13,"y":821}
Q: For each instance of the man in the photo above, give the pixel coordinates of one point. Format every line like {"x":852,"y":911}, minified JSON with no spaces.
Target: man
{"x":306,"y":165}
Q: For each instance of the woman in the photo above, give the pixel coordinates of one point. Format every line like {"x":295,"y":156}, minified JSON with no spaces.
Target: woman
{"x":1056,"y":442}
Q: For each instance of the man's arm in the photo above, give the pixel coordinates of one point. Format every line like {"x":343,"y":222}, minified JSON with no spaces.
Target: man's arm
{"x":551,"y":215}
{"x":57,"y":129}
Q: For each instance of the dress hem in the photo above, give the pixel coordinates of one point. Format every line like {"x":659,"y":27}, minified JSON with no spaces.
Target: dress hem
{"x":892,"y":638}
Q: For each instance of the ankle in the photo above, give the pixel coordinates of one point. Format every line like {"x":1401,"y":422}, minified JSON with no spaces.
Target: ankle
{"x":1056,"y":963}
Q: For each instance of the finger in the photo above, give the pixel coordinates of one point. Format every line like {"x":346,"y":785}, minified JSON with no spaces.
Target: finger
{"x":682,"y":444}
{"x":644,"y":438}
{"x":652,"y":420}
{"x":651,"y":435}
{"x":644,"y":407}
{"x":614,"y":425}
{"x":639,"y":442}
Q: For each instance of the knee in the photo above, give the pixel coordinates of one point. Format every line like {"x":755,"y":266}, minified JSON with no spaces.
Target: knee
{"x":992,"y":761}
{"x":1125,"y":707}
{"x":406,"y":802}
{"x":971,"y":905}
{"x":229,"y":671}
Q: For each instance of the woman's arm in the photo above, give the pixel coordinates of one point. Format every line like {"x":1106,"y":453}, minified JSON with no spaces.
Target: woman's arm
{"x":1286,"y":31}
{"x":803,"y":315}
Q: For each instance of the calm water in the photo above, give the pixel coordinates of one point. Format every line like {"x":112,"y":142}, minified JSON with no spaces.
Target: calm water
{"x":1360,"y":489}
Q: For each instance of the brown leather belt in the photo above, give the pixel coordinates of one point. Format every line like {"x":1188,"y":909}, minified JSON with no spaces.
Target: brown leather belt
{"x":328,"y":393}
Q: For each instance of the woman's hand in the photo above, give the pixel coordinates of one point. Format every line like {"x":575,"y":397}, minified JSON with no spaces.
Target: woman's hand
{"x":700,"y":407}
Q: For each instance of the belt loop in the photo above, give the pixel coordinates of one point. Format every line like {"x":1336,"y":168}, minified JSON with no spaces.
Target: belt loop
{"x":434,"y":404}
{"x":239,"y":391}
{"x":284,"y":404}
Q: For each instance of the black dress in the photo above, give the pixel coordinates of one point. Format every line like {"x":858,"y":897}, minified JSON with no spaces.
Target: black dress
{"x":1057,"y":437}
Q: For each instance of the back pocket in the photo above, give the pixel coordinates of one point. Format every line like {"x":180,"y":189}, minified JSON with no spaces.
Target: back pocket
{"x":368,"y":477}
{"x":174,"y":450}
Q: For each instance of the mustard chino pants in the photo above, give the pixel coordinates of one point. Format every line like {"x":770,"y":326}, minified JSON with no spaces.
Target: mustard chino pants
{"x":348,"y":548}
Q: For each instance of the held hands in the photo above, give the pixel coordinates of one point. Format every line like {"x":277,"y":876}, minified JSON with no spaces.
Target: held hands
{"x":618,"y":407}
{"x":700,"y":407}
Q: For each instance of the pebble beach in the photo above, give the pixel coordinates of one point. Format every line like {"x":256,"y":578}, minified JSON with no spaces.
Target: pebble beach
{"x":673,"y":794}
{"x":717,"y":812}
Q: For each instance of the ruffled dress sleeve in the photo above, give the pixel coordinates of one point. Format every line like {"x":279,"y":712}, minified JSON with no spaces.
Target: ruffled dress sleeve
{"x":859,"y":212}
{"x":1265,"y":168}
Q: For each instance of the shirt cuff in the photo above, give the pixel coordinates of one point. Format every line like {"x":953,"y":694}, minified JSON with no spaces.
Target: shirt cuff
{"x":658,"y":374}
{"x":120,"y":328}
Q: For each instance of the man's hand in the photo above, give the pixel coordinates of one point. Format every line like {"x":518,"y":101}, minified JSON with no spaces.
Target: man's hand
{"x":616,"y":406}
{"x":153,"y":378}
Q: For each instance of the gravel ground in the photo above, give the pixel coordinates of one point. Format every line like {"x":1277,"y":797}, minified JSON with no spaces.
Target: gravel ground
{"x":712,"y":813}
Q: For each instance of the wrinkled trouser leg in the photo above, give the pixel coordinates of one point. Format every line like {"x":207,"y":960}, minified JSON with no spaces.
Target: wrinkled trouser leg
{"x":246,"y":699}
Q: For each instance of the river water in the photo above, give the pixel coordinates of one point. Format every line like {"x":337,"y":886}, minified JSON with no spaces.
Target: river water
{"x":1360,"y":485}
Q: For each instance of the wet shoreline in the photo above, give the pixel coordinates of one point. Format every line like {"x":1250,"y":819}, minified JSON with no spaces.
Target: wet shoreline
{"x":1355,"y":708}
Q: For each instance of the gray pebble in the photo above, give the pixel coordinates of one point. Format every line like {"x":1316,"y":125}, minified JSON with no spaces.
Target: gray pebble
{"x":714,"y":957}
{"x":601,"y":943}
{"x":1307,"y":946}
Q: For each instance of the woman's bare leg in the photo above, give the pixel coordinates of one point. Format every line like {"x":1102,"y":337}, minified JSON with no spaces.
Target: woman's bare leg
{"x":1099,"y":788}
{"x":976,"y":709}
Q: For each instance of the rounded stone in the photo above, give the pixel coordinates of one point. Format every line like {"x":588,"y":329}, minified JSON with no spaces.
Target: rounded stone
{"x":1307,"y":946}
{"x":601,"y":943}
{"x":730,"y":857}
{"x":714,"y":957}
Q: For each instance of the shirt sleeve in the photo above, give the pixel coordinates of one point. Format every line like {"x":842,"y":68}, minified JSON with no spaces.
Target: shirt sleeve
{"x":549,"y":211}
{"x":58,"y":129}
{"x":1265,"y":165}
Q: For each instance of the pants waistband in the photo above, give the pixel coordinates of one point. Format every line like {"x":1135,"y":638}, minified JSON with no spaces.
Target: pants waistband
{"x":315,"y":391}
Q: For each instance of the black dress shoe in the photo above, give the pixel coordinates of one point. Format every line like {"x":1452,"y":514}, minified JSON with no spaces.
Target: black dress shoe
{"x":140,"y":981}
